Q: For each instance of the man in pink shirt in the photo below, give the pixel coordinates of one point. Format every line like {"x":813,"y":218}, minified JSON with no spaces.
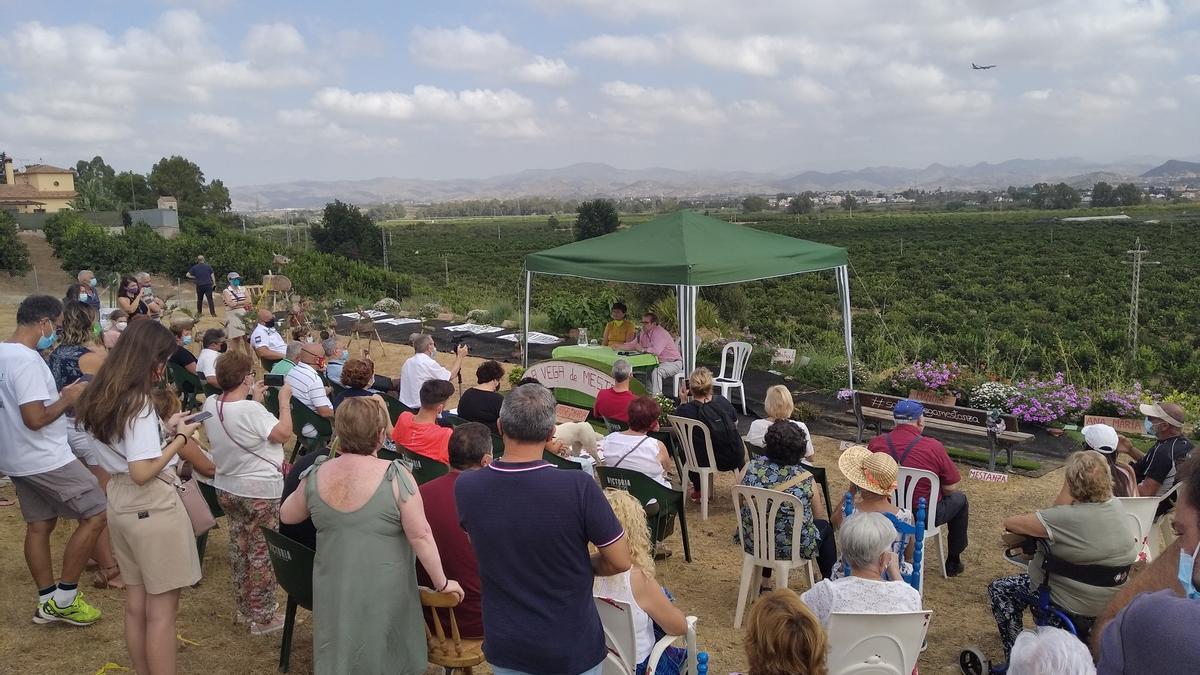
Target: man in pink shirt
{"x":656,"y":340}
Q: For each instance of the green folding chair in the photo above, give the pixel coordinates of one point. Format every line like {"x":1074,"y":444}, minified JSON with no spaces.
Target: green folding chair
{"x":614,"y":426}
{"x":497,"y":447}
{"x":301,"y":415}
{"x":645,"y":489}
{"x":293,"y":563}
{"x":423,"y":469}
{"x":271,"y":401}
{"x":451,"y":420}
{"x":395,"y":407}
{"x":561,"y":462}
{"x":180,"y":376}
{"x":818,"y":473}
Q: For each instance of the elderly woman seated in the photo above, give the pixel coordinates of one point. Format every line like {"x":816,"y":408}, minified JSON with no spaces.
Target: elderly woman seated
{"x":780,"y":469}
{"x":779,"y":406}
{"x":1091,"y":544}
{"x":867,"y":547}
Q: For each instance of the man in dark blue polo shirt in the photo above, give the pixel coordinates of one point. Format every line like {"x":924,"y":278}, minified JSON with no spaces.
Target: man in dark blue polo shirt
{"x":202,"y":274}
{"x":530,"y":524}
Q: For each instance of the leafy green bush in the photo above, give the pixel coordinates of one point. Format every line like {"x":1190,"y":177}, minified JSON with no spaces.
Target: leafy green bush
{"x":707,"y":316}
{"x":572,"y":310}
{"x":14,"y":255}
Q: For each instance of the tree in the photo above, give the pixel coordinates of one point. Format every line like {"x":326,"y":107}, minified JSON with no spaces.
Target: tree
{"x":182,"y":179}
{"x":597,"y":217}
{"x":754,"y":204}
{"x":552,"y":223}
{"x":132,"y":192}
{"x":1102,"y":194}
{"x":1127,"y":194}
{"x":95,"y":184}
{"x":801,"y":204}
{"x":849,"y":202}
{"x":216,"y":197}
{"x":14,"y":255}
{"x":1064,"y":197}
{"x":347,"y":231}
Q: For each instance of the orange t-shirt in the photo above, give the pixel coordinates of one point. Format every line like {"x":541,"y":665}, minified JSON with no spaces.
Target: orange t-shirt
{"x":427,"y":440}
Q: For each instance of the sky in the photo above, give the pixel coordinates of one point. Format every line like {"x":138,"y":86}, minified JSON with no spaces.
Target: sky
{"x":275,"y":91}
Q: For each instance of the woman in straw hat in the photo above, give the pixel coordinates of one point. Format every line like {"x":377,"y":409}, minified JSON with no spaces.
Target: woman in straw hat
{"x":872,"y":477}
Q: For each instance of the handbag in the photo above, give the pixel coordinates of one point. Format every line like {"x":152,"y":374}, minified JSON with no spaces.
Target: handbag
{"x":194,"y":503}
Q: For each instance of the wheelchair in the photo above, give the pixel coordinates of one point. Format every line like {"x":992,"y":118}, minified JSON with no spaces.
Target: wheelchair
{"x":972,"y":661}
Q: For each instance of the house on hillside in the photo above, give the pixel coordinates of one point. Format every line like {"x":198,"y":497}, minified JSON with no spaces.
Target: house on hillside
{"x":168,"y":203}
{"x":39,"y":188}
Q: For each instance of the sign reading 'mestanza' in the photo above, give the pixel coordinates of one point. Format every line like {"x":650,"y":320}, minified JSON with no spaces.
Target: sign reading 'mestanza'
{"x":968,"y":416}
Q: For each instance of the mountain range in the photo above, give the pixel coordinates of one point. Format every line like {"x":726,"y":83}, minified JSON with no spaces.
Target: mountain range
{"x":587,"y":180}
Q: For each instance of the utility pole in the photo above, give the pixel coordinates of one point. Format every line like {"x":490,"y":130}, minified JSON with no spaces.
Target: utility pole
{"x":1135,"y":295}
{"x":383,"y":236}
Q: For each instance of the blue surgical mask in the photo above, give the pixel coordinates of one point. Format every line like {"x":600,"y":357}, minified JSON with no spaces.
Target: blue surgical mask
{"x":84,"y":297}
{"x":47,"y":341}
{"x":236,"y":282}
{"x":1148,"y":426}
{"x":1187,"y":564}
{"x":345,"y":354}
{"x":187,"y":340}
{"x":93,"y":282}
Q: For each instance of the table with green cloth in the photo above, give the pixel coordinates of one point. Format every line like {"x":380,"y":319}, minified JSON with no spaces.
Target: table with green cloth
{"x":602,"y":359}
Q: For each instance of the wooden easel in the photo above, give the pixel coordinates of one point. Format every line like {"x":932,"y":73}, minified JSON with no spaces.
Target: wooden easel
{"x":366,"y":325}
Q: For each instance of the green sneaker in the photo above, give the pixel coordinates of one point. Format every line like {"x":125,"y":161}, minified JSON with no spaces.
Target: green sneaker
{"x":78,"y":613}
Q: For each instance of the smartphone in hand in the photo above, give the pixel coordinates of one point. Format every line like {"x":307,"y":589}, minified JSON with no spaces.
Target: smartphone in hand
{"x":199,"y":417}
{"x":273,"y":380}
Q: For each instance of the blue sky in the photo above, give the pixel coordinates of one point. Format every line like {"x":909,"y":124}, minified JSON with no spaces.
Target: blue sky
{"x":274,"y":91}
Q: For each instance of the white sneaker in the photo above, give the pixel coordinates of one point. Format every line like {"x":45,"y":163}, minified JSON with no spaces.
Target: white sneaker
{"x":273,"y":626}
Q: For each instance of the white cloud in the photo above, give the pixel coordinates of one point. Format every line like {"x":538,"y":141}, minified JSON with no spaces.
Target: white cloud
{"x":626,"y":48}
{"x":808,"y":90}
{"x":690,"y":105}
{"x":541,"y":70}
{"x":428,"y":103}
{"x":912,"y":77}
{"x":1192,"y":79}
{"x":217,"y":125}
{"x":762,"y":55}
{"x":1166,"y":103}
{"x":1037,"y":94}
{"x":463,"y":48}
{"x":1123,"y":84}
{"x":562,"y":106}
{"x":957,"y":103}
{"x":273,"y":40}
{"x":755,"y":109}
{"x":299,"y":118}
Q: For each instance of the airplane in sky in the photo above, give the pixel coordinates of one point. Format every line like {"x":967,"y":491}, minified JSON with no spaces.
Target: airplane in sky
{"x":975,"y":67}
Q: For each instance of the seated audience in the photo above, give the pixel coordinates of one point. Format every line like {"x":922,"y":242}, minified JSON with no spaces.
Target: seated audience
{"x":637,"y":586}
{"x":872,"y":477}
{"x":717,"y":413}
{"x":1084,"y":527}
{"x":1155,"y":469}
{"x":783,"y":637}
{"x":183,"y":357}
{"x":421,"y":433}
{"x":370,"y":521}
{"x":470,"y":450}
{"x":154,"y":304}
{"x":1154,"y":632}
{"x":307,"y":386}
{"x":214,"y":344}
{"x":290,"y":356}
{"x":78,"y":293}
{"x":867,"y":546}
{"x":613,"y":403}
{"x":422,"y":367}
{"x":635,"y":449}
{"x":266,"y":341}
{"x":246,"y":446}
{"x":335,"y":357}
{"x":780,"y":469}
{"x":1104,"y":440}
{"x":620,"y":330}
{"x":357,"y":375}
{"x":1050,"y":651}
{"x":481,"y":403}
{"x":908,"y":445}
{"x":117,"y":322}
{"x":656,"y":340}
{"x":779,"y":406}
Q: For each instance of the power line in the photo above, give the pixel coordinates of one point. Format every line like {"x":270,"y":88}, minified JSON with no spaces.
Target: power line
{"x":1135,"y":294}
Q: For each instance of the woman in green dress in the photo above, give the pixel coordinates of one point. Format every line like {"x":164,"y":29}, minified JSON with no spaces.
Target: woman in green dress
{"x":370,"y":522}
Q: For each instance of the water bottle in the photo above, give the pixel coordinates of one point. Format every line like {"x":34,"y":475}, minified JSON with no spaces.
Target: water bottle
{"x":583,"y":339}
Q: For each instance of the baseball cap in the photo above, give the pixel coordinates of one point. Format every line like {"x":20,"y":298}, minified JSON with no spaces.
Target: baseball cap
{"x":908,"y":410}
{"x":233,"y":275}
{"x":1101,"y":438}
{"x":1156,"y":410}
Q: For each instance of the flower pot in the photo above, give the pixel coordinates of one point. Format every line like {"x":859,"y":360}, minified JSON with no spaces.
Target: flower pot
{"x":933,"y":397}
{"x":1055,"y":431}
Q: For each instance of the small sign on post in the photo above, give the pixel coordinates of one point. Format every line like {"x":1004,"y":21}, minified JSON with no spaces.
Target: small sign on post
{"x":988,"y":476}
{"x":1123,"y":425}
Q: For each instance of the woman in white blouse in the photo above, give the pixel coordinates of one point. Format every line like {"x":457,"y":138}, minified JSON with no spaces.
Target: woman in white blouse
{"x":866,"y":543}
{"x":151,"y":533}
{"x":779,"y":406}
{"x":635,"y":449}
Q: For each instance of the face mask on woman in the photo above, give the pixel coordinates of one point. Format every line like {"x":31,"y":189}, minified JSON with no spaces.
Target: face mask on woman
{"x":187,"y":340}
{"x":345,"y":354}
{"x":121,"y":325}
{"x":236,"y":282}
{"x":131,"y":290}
{"x":84,"y":298}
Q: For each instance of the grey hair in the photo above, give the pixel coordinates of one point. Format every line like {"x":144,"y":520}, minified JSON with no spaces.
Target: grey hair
{"x":141,"y":275}
{"x":82,"y":273}
{"x":527,"y":414}
{"x":621,"y":370}
{"x":293,"y":351}
{"x":330,"y":345}
{"x":1050,"y":651}
{"x":421,"y":341}
{"x":865,"y":536}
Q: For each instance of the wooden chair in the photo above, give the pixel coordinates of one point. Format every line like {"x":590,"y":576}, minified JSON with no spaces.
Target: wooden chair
{"x":916,"y":531}
{"x":451,"y":652}
{"x":646,"y":489}
{"x":293,"y":564}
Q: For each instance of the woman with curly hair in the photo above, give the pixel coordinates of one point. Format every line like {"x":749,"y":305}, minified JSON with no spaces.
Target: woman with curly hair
{"x":783,"y":637}
{"x":650,"y":603}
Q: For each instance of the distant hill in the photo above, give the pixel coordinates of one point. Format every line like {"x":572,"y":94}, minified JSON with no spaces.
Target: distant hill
{"x":1174,"y":168}
{"x":588,"y":180}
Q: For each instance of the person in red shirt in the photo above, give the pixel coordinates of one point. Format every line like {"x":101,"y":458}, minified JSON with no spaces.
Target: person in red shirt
{"x":910,"y":448}
{"x":614,"y":403}
{"x":420,"y":433}
{"x":470,"y":449}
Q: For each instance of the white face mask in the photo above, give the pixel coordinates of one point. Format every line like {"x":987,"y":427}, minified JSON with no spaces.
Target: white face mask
{"x":121,"y":325}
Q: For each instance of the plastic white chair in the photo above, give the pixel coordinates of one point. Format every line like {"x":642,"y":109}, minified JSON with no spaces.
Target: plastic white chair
{"x":904,"y":497}
{"x":1161,"y":534}
{"x":621,"y":640}
{"x":764,"y":506}
{"x":1141,"y":511}
{"x":886,"y":644}
{"x":737,"y":355}
{"x":684,"y":426}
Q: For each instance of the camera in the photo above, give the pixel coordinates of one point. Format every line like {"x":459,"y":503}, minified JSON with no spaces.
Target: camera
{"x":456,"y":341}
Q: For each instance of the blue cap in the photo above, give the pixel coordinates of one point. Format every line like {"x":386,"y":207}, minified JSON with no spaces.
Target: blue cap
{"x":908,"y":410}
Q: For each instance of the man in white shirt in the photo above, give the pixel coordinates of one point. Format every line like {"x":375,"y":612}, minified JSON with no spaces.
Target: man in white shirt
{"x":266,"y":342}
{"x":214,"y":345}
{"x":422,"y":367}
{"x":307,"y":386}
{"x":49,"y":481}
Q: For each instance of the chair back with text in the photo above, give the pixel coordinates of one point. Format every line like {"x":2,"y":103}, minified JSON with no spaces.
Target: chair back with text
{"x":645,"y":489}
{"x":423,"y":468}
{"x":876,"y":644}
{"x":293,"y":565}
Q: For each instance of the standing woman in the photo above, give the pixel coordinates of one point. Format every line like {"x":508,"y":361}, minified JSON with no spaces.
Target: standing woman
{"x":236,"y":305}
{"x":151,"y":533}
{"x":129,"y":297}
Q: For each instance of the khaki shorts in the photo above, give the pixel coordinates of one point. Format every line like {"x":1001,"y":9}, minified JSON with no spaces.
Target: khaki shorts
{"x":69,"y":491}
{"x":151,"y":535}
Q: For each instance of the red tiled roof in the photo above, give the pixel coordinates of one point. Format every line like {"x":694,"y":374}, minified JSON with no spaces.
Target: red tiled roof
{"x":43,"y":168}
{"x":8,"y":192}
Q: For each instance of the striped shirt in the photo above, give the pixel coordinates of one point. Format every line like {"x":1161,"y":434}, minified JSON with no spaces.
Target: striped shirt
{"x":307,"y":388}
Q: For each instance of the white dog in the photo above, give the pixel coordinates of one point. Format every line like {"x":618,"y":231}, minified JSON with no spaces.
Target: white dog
{"x":579,"y":436}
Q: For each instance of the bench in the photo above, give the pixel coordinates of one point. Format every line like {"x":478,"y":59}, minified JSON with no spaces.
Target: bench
{"x":967,"y":421}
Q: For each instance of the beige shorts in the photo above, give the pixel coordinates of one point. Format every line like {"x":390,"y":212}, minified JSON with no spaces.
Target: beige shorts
{"x":151,"y":535}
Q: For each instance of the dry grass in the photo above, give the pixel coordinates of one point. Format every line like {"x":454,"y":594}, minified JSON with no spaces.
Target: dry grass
{"x":707,"y":588}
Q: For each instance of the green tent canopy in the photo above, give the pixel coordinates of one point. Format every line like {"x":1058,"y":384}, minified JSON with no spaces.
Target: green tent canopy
{"x":688,"y":250}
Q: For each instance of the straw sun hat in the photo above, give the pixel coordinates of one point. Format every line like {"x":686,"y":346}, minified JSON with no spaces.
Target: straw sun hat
{"x":872,"y":471}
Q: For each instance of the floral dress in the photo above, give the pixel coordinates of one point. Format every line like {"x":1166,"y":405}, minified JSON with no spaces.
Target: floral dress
{"x":898,"y":546}
{"x":762,"y":473}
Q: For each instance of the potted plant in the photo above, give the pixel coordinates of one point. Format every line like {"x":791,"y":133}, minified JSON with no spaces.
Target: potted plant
{"x":930,"y":381}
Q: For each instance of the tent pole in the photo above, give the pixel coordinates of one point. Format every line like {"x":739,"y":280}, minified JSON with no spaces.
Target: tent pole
{"x":525,"y":321}
{"x":693,"y":300}
{"x":843,"y":277}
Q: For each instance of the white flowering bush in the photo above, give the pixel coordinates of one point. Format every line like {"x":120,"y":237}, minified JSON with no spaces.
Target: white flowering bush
{"x":478,"y":316}
{"x":430,"y":310}
{"x":993,"y":396}
{"x":389,"y":305}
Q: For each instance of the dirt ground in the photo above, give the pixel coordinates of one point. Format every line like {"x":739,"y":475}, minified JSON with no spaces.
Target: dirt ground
{"x":211,"y":643}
